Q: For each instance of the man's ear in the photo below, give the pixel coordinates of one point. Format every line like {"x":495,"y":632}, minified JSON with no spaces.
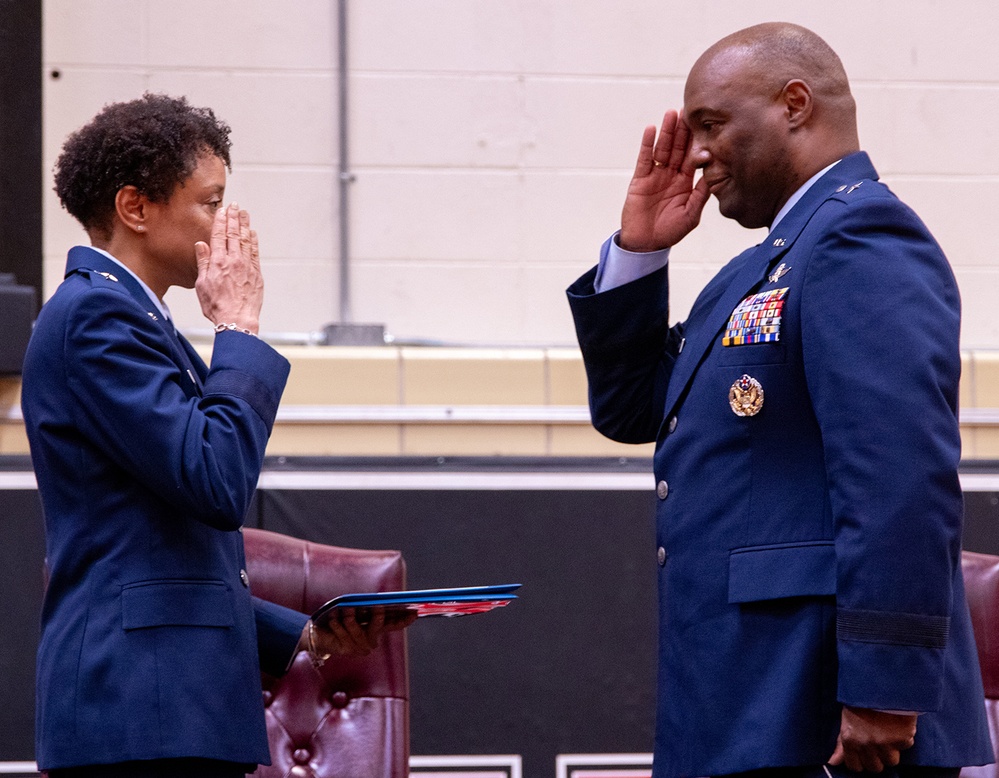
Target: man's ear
{"x":798,"y":103}
{"x":131,"y":207}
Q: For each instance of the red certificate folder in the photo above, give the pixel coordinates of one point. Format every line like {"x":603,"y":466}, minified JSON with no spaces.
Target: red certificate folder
{"x":463,"y":601}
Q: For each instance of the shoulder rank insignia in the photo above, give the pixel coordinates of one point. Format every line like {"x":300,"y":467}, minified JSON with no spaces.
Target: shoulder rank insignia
{"x":108,"y":276}
{"x":848,"y":189}
{"x":746,"y":396}
{"x":775,"y":276}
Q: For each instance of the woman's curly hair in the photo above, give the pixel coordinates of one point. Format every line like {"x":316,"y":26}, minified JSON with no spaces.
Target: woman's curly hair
{"x":153,"y":144}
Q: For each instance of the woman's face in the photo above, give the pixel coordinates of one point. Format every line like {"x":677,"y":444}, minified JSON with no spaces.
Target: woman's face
{"x":173,"y":227}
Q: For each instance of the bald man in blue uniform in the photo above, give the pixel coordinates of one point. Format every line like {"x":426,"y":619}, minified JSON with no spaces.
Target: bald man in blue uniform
{"x":811,"y":605}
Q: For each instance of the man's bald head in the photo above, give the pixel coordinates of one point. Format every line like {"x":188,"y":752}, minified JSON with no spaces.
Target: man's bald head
{"x":768,"y":107}
{"x":774,"y":53}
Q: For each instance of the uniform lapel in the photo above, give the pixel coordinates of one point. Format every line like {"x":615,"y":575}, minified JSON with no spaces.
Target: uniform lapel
{"x":697,"y":345}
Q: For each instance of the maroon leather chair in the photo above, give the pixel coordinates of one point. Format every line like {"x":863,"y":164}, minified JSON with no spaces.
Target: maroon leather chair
{"x":981,"y":580}
{"x":349,"y":718}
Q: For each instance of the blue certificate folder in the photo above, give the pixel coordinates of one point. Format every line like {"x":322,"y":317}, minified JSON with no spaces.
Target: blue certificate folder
{"x":463,"y":601}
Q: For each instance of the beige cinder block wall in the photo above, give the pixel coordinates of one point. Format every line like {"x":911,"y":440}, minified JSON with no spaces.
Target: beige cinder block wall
{"x":492,"y":140}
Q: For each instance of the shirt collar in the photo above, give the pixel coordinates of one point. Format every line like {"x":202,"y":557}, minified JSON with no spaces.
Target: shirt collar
{"x":160,"y":305}
{"x":793,"y":199}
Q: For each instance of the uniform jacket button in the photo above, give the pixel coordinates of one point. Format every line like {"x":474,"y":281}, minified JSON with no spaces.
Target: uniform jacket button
{"x":661,"y":555}
{"x":662,"y":490}
{"x":244,"y":578}
{"x":672,"y":425}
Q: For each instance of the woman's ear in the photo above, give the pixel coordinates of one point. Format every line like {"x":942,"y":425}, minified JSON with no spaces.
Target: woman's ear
{"x":131,"y":208}
{"x":798,"y":102}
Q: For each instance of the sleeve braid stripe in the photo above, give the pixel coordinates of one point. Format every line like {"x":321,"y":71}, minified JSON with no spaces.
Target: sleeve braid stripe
{"x":904,"y":629}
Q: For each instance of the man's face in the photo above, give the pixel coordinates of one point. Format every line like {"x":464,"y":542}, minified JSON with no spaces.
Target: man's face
{"x":739,"y":138}
{"x":185,"y":218}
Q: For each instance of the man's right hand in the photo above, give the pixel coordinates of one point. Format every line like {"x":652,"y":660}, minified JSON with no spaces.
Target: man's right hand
{"x":663,"y":204}
{"x":873,"y":740}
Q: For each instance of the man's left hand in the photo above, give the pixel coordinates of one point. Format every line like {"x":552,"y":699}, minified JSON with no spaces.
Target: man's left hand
{"x":872,"y":740}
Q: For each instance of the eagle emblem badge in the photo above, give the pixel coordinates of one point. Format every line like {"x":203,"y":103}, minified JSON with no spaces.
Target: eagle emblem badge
{"x":746,"y":396}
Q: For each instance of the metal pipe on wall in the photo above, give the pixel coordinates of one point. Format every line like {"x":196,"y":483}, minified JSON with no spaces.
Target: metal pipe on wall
{"x":345,"y":176}
{"x":345,"y":332}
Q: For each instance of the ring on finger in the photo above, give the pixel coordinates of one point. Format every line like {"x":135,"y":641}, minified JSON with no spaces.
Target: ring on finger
{"x":657,"y":163}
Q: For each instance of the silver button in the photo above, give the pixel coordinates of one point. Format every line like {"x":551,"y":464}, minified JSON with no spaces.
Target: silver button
{"x":662,"y":490}
{"x":661,"y":555}
{"x":672,"y":425}
{"x":244,"y":578}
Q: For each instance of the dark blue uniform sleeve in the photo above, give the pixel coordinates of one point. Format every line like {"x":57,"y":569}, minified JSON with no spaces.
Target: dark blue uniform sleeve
{"x":880,"y":325}
{"x":278,"y":633}
{"x":200,"y":454}
{"x":628,"y":350}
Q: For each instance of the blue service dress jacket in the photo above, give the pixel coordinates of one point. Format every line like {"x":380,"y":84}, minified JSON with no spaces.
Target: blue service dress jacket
{"x":146,"y":461}
{"x":809,"y":512}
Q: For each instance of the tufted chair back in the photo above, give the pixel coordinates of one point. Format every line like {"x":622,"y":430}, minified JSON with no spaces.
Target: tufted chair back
{"x":981,"y":580}
{"x":349,"y":718}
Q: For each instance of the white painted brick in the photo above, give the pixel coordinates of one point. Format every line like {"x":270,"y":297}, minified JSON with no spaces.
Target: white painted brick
{"x":547,"y":319}
{"x":565,"y":215}
{"x":300,"y":295}
{"x":929,"y":128}
{"x":593,"y":123}
{"x":94,"y":32}
{"x":280,"y":118}
{"x":979,"y":291}
{"x":493,"y":140}
{"x":75,"y":98}
{"x":435,"y":215}
{"x":437,"y":36}
{"x":648,"y":37}
{"x":453,"y":120}
{"x":60,"y":230}
{"x":921,"y":40}
{"x":255,"y":34}
{"x":53,"y":268}
{"x":452,"y":302}
{"x":506,"y":36}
